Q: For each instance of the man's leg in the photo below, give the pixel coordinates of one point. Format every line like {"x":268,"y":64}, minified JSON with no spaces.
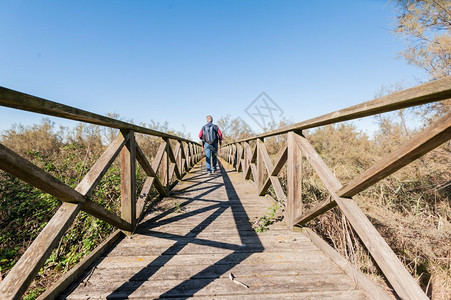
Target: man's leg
{"x":207,"y":158}
{"x":214,"y":160}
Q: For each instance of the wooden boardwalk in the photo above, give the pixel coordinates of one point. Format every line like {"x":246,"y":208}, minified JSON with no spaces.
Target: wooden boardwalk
{"x":188,"y":245}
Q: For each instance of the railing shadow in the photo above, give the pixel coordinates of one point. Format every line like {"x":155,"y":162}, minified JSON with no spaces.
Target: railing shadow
{"x":250,"y":243}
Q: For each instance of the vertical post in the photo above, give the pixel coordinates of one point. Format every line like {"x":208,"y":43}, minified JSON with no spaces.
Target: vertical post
{"x":179,"y":160}
{"x":128,"y":181}
{"x":294,"y":185}
{"x":260,"y":164}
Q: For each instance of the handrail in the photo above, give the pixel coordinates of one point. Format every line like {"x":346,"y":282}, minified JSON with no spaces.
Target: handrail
{"x":167,"y":164}
{"x":254,"y":161}
{"x":14,"y":99}
{"x":426,"y":93}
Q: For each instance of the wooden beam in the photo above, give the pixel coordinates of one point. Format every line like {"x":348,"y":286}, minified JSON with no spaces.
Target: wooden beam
{"x":128,"y":182}
{"x":143,"y":195}
{"x":430,"y":138}
{"x":395,"y":272}
{"x":29,"y":264}
{"x":159,"y":157}
{"x":271,"y":178}
{"x":18,"y":100}
{"x":95,"y":174}
{"x":18,"y":166}
{"x":426,"y":93}
{"x":274,"y":170}
{"x":73,"y":274}
{"x":294,"y":206}
{"x":142,"y":160}
{"x":404,"y":284}
{"x":260,"y":165}
{"x":173,"y":161}
{"x":25,"y":170}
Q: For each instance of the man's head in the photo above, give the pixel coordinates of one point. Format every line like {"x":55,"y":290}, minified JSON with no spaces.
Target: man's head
{"x":209,"y":119}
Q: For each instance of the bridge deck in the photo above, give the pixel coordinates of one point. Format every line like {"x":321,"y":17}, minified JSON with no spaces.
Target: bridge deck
{"x":188,"y":245}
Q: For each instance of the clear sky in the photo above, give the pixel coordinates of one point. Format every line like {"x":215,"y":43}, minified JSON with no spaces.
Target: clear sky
{"x":178,"y":61}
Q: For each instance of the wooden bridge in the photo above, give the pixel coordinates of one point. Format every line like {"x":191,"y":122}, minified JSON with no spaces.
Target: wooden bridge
{"x":197,"y":239}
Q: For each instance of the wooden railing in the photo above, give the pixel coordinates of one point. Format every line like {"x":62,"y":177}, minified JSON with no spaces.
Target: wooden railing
{"x":167,"y":164}
{"x":254,"y":161}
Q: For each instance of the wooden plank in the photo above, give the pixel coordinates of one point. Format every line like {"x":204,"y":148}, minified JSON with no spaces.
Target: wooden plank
{"x":22,"y":274}
{"x":25,"y":170}
{"x":128,"y":181}
{"x":430,"y":138}
{"x":426,"y":93}
{"x":68,"y":278}
{"x":18,"y":100}
{"x":294,"y":206}
{"x":373,"y":291}
{"x":95,"y":174}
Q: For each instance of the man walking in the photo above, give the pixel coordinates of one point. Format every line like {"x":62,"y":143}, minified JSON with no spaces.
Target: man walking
{"x":210,"y":136}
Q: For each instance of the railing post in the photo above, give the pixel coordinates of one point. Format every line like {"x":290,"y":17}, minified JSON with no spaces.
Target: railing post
{"x":128,"y":181}
{"x":260,"y":165}
{"x":294,"y":185}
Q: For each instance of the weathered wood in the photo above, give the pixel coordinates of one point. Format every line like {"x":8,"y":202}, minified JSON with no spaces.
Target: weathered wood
{"x":68,"y":278}
{"x":329,"y":180}
{"x":25,"y":170}
{"x":173,"y":157}
{"x":403,"y":283}
{"x":260,"y":165}
{"x":426,"y":93}
{"x":430,"y":138}
{"x":159,"y":157}
{"x":393,"y":269}
{"x":18,"y":100}
{"x":142,"y":160}
{"x":24,"y":271}
{"x":30,"y":173}
{"x":294,"y":206}
{"x":191,"y":252}
{"x":373,"y":291}
{"x":143,"y":196}
{"x":128,"y":181}
{"x":273,"y":171}
{"x":95,"y":174}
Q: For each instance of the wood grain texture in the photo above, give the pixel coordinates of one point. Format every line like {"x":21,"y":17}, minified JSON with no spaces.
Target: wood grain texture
{"x":128,"y":181}
{"x":294,"y":206}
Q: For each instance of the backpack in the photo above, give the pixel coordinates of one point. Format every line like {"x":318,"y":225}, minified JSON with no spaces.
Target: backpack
{"x":210,"y":134}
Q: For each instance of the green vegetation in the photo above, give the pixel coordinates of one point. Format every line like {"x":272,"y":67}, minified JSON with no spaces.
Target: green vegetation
{"x":262,"y":223}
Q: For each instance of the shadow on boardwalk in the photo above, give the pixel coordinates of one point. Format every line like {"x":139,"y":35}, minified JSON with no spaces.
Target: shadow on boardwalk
{"x":250,"y":242}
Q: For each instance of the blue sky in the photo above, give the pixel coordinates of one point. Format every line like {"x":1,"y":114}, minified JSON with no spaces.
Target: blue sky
{"x":178,"y":61}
